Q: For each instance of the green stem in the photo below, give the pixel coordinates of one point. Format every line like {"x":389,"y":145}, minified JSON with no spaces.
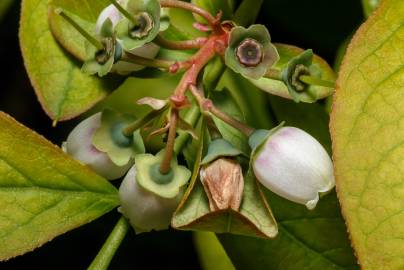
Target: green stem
{"x":124,"y":11}
{"x":316,"y":81}
{"x":96,"y":43}
{"x":128,"y":130}
{"x":208,"y":106}
{"x":139,"y":60}
{"x":111,"y":245}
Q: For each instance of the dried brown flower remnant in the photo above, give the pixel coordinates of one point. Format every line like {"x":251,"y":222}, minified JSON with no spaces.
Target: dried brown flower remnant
{"x":224,"y":183}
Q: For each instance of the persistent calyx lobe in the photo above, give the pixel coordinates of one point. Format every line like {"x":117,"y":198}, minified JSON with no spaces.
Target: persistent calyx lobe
{"x":250,"y":51}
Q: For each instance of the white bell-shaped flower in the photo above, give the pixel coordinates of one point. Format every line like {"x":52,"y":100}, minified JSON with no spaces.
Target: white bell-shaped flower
{"x":149,"y":50}
{"x":294,"y":165}
{"x":79,"y":145}
{"x":110,"y":12}
{"x":145,"y":210}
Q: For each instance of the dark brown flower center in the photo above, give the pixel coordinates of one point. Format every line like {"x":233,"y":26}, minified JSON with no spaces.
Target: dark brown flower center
{"x":250,"y":52}
{"x":295,"y":81}
{"x":102,"y":56}
{"x":142,"y":27}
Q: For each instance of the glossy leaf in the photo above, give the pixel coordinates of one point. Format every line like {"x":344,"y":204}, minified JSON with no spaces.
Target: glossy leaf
{"x":368,"y":138}
{"x":43,"y":192}
{"x":277,"y":87}
{"x":62,"y":89}
{"x":308,"y":239}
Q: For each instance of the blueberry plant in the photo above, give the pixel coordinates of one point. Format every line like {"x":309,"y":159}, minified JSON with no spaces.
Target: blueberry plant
{"x":175,"y":100}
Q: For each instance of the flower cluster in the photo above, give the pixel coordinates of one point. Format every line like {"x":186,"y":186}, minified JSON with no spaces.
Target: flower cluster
{"x":285,"y":160}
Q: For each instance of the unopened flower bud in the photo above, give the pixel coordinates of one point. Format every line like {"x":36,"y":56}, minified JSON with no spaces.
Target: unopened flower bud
{"x":224,"y":183}
{"x":145,"y":210}
{"x":80,"y":146}
{"x":294,"y":165}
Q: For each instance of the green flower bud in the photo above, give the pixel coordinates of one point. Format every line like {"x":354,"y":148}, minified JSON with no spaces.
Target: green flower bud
{"x":250,"y":51}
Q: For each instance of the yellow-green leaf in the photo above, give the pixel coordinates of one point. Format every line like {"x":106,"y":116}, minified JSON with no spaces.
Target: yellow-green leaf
{"x":62,"y":89}
{"x":368,"y":138}
{"x":43,"y":192}
{"x":85,"y":13}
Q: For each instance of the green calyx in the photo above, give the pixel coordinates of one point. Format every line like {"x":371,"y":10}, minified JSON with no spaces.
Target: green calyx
{"x":220,"y":148}
{"x":307,"y":76}
{"x":298,"y":66}
{"x":142,"y":27}
{"x":250,"y":51}
{"x":164,"y":185}
{"x":259,"y":137}
{"x":109,"y":138}
{"x":101,"y":61}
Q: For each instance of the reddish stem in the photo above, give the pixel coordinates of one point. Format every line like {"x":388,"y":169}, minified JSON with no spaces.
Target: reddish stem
{"x":165,"y":165}
{"x":180,"y":45}
{"x":214,"y":22}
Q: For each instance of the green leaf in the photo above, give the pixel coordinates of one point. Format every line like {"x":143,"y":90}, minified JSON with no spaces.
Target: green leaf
{"x":277,"y":87}
{"x":62,"y":89}
{"x":211,"y":254}
{"x":367,"y":133}
{"x":225,"y":102}
{"x":85,"y":13}
{"x":251,"y":100}
{"x":308,"y":239}
{"x":214,"y":6}
{"x":43,"y":192}
{"x":253,"y":219}
{"x":369,"y":6}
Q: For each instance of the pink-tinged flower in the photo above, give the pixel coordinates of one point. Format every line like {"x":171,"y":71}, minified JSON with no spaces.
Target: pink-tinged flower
{"x":294,"y":165}
{"x":145,"y":210}
{"x":79,"y":145}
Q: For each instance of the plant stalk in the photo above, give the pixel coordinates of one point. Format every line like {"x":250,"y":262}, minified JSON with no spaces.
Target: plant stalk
{"x":111,"y":245}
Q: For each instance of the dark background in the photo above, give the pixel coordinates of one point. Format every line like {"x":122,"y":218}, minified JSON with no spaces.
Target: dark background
{"x":319,"y":24}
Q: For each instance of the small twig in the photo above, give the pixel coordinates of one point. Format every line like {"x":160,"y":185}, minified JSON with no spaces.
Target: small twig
{"x":155,"y":63}
{"x":111,"y":245}
{"x":213,"y":21}
{"x":165,"y":165}
{"x":208,"y":106}
{"x":180,"y":45}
